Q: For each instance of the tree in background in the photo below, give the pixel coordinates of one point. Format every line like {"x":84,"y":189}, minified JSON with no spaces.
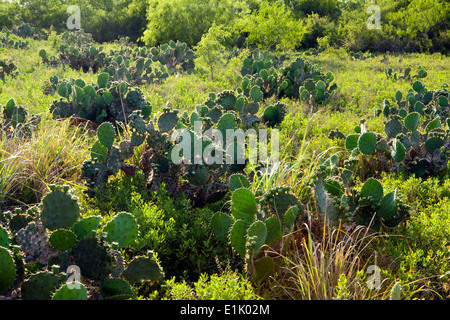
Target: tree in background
{"x":188,"y":20}
{"x":210,"y":47}
{"x":271,"y":27}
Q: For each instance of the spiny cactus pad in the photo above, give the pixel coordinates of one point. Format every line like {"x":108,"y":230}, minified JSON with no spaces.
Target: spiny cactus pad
{"x":116,"y":289}
{"x":238,"y":234}
{"x":256,"y":237}
{"x":367,"y":142}
{"x":40,"y":286}
{"x":71,"y":291}
{"x":372,"y":188}
{"x":122,"y":229}
{"x":106,"y":134}
{"x":8,"y":270}
{"x":63,"y":239}
{"x":244,"y":201}
{"x":264,"y":268}
{"x":220,"y":225}
{"x":85,"y":227}
{"x":60,"y":210}
{"x":143,"y":268}
{"x":238,"y":181}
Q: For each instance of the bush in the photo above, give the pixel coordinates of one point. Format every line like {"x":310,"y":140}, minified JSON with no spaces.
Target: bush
{"x":186,"y":20}
{"x":226,"y":286}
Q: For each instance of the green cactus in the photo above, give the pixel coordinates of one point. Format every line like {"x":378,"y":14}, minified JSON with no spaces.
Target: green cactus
{"x":4,"y":238}
{"x":94,"y":258}
{"x":238,"y":181}
{"x":106,"y":134}
{"x":255,"y":237}
{"x":372,"y":188}
{"x":60,"y":209}
{"x":367,"y":142}
{"x":40,"y":286}
{"x":116,"y":289}
{"x":237,"y":236}
{"x":398,"y":151}
{"x":244,"y":202}
{"x":143,"y":268}
{"x":274,"y":230}
{"x":396,"y":292}
{"x":8,"y":270}
{"x":63,"y":239}
{"x":263,"y":268}
{"x":167,"y":121}
{"x":274,"y":115}
{"x":71,"y":291}
{"x":122,"y":229}
{"x":86,"y":226}
{"x":227,"y":100}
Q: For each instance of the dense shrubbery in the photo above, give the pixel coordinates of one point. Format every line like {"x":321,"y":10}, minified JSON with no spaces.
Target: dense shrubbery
{"x":270,"y":23}
{"x":140,"y":224}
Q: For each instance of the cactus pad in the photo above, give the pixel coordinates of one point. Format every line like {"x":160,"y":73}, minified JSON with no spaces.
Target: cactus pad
{"x":220,"y":225}
{"x":122,"y":229}
{"x":8,"y":270}
{"x":238,"y":237}
{"x":60,"y":210}
{"x":143,"y":268}
{"x":67,"y":292}
{"x":106,"y":134}
{"x":40,"y":286}
{"x":63,"y":239}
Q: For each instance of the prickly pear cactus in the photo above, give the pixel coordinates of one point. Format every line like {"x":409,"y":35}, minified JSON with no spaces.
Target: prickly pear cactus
{"x":60,"y":208}
{"x":8,"y":270}
{"x":40,"y":286}
{"x":63,"y":239}
{"x":71,"y":291}
{"x":94,"y":258}
{"x":122,"y":229}
{"x":143,"y":268}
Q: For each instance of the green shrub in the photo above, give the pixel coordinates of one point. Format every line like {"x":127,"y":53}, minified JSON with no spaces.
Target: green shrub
{"x":179,"y":234}
{"x":226,"y":286}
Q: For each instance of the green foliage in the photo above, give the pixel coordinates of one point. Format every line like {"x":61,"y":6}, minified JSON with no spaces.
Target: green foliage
{"x":257,"y":220}
{"x":176,"y":231}
{"x":271,"y":27}
{"x":225,"y":286}
{"x":178,"y":20}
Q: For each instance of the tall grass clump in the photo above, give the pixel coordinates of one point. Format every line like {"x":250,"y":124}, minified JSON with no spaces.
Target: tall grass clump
{"x":52,"y":154}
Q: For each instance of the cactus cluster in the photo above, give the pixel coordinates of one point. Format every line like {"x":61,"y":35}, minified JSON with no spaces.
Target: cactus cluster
{"x":55,"y":235}
{"x":7,"y":42}
{"x":175,"y":56}
{"x":415,"y":139}
{"x":77,"y":38}
{"x":360,"y":55}
{"x":16,"y":120}
{"x":256,"y":61}
{"x":369,"y":206}
{"x":100,"y":102}
{"x":199,"y":179}
{"x":298,"y":79}
{"x":85,"y":57}
{"x":24,"y":31}
{"x":7,"y":68}
{"x":136,"y":69}
{"x":405,"y":74}
{"x":416,"y":132}
{"x":256,"y":219}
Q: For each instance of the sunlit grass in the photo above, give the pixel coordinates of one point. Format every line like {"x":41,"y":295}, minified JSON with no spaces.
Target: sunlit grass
{"x":52,"y":154}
